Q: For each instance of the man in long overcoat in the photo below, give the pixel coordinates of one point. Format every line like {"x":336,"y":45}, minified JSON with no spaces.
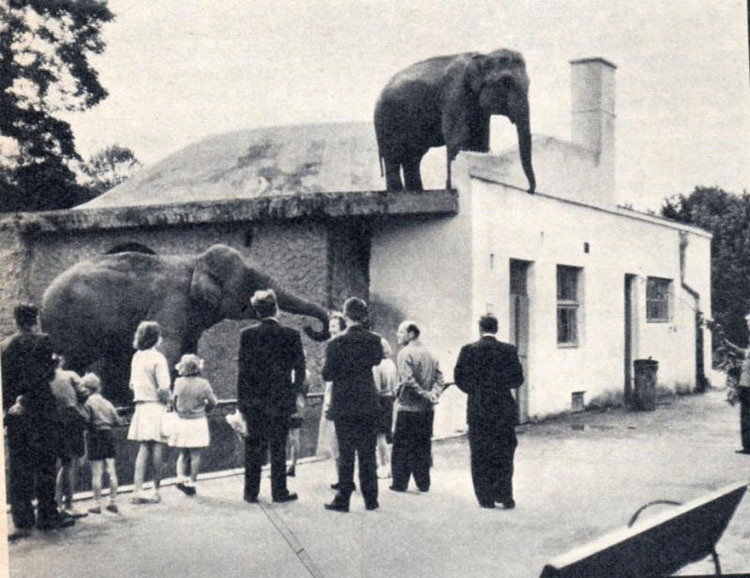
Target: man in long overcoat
{"x":487,"y":370}
{"x":355,"y":406}
{"x":271,"y":374}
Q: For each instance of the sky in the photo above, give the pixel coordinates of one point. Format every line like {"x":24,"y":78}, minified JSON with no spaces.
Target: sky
{"x":180,"y":70}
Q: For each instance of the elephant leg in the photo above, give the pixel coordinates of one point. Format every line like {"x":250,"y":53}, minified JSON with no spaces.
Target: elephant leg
{"x":115,"y":375}
{"x":393,"y":175}
{"x":412,"y":177}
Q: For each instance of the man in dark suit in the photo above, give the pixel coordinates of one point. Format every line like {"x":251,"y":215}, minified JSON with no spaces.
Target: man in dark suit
{"x":487,"y":370}
{"x":355,"y":406}
{"x":271,"y":374}
{"x":33,"y":425}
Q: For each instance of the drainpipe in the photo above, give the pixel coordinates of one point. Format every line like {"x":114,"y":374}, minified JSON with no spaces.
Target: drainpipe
{"x":700,"y":375}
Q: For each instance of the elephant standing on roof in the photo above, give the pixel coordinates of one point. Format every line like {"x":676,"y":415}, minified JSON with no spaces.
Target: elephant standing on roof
{"x":91,"y":310}
{"x":448,"y":100}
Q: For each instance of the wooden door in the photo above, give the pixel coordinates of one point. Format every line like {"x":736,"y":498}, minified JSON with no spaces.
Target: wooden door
{"x":519,"y":328}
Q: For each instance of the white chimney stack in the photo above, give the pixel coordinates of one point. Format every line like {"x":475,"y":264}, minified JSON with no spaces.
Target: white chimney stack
{"x":593,"y":115}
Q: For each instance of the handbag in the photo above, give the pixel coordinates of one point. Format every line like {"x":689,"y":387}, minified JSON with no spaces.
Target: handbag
{"x":169,"y":424}
{"x":237,"y":422}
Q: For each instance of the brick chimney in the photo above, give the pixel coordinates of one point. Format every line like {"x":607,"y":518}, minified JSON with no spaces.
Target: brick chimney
{"x":593,"y":115}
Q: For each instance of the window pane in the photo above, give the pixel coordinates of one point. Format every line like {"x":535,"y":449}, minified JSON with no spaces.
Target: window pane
{"x":567,"y":281}
{"x":657,"y":299}
{"x":567,"y":325}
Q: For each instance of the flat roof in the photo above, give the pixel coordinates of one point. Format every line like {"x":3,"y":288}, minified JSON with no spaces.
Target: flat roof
{"x":267,"y":208}
{"x":594,"y":59}
{"x":488,"y":175}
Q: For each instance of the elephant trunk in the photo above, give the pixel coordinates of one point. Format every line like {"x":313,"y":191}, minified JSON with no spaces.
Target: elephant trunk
{"x":296,"y":305}
{"x":523,"y":127}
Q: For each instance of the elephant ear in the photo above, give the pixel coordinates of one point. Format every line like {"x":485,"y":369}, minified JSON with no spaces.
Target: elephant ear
{"x":460,"y":104}
{"x":212,"y":270}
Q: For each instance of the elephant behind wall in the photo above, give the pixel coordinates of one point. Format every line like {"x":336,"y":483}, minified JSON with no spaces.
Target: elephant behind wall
{"x":448,"y":100}
{"x":92,"y":309}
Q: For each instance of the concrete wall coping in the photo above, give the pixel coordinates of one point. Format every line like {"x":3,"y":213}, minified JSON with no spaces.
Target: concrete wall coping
{"x":277,"y":207}
{"x":488,"y":175}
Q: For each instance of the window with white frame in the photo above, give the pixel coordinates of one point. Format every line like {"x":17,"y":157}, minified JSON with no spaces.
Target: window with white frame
{"x":568,"y":305}
{"x":658,"y":300}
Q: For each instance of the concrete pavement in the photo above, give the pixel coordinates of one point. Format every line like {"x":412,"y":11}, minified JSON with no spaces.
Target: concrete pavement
{"x":577,"y":477}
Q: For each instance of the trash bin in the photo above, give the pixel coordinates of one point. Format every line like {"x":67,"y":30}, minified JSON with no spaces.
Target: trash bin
{"x":644,"y":392}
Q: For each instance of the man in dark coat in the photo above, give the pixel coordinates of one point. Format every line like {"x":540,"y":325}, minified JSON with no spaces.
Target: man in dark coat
{"x":32,"y":425}
{"x":271,"y":374}
{"x":487,"y":370}
{"x":355,"y":406}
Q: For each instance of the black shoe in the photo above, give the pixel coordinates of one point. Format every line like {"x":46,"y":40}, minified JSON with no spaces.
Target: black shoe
{"x":509,"y":504}
{"x":337,"y":507}
{"x":743,"y":451}
{"x":19,"y":534}
{"x":371,"y":505}
{"x":290,"y":497}
{"x":251,"y":499}
{"x":337,"y":486}
{"x":395,"y":489}
{"x":55,"y":523}
{"x":424,"y":488}
{"x":291,"y":472}
{"x":486,"y":504}
{"x":183,"y":488}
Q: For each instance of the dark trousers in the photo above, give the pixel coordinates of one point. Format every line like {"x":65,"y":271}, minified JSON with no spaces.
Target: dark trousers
{"x":32,"y":461}
{"x":265,"y":433}
{"x":743,"y":394}
{"x":357,"y":434}
{"x":412,"y":449}
{"x":492,"y":449}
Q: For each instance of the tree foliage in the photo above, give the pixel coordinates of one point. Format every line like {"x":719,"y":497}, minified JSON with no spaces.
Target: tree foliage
{"x":727,"y":217}
{"x":109,"y":167}
{"x":45,"y":47}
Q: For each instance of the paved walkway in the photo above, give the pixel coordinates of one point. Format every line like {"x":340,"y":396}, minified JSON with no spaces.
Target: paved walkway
{"x":576,"y":478}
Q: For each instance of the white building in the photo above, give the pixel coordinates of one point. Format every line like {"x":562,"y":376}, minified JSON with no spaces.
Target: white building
{"x":582,"y":286}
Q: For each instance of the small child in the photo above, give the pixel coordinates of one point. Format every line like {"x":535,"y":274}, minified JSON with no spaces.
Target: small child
{"x":102,"y":416}
{"x":192,"y":397}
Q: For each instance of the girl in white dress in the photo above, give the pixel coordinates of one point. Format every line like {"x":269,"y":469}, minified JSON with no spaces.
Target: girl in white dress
{"x":192,"y":398}
{"x":150,"y":381}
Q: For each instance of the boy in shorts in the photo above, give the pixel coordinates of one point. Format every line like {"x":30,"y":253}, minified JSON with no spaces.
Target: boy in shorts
{"x":102,"y":417}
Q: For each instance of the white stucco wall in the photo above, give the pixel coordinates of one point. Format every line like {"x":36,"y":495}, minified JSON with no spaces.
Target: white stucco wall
{"x":548,"y":232}
{"x":422,"y":270}
{"x":562,"y":169}
{"x":444,"y":273}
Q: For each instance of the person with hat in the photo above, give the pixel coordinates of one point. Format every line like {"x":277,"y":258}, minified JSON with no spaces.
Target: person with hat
{"x":271,"y":374}
{"x":192,"y":398}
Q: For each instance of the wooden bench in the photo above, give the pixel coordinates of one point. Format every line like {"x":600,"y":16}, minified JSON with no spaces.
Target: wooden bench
{"x":658,"y":546}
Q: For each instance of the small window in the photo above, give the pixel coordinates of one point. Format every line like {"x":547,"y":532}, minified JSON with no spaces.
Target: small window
{"x":658,"y":300}
{"x":568,"y":305}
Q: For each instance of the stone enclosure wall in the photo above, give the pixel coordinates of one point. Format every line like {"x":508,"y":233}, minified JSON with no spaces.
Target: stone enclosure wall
{"x":316,"y":245}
